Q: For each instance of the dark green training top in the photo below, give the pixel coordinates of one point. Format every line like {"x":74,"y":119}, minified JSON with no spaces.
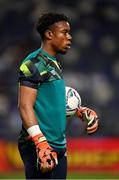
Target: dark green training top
{"x":42,"y":72}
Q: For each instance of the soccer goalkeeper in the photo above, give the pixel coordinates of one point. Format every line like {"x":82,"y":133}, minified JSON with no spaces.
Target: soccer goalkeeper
{"x":42,"y":106}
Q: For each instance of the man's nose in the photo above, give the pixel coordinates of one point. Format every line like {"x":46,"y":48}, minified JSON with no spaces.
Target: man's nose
{"x":69,"y":37}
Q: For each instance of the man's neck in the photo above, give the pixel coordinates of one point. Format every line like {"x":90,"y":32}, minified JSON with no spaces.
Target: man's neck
{"x":48,"y":49}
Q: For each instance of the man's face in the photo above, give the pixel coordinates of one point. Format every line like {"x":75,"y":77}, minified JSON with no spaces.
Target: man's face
{"x":61,"y":38}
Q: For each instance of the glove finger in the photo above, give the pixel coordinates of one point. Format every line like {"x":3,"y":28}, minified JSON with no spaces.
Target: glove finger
{"x":56,"y":161}
{"x":92,"y":131}
{"x":51,"y":165}
{"x":38,"y":163}
{"x":40,"y":154}
{"x":78,"y":113}
{"x":54,"y":158}
{"x":52,"y":161}
{"x":93,"y":124}
{"x":93,"y":128}
{"x":89,"y":116}
{"x":86,"y":116}
{"x":47,"y":164}
{"x":45,"y":167}
{"x":42,"y":164}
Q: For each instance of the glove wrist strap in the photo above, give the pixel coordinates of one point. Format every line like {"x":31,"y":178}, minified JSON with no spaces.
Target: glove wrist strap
{"x":36,"y":134}
{"x":34,"y":130}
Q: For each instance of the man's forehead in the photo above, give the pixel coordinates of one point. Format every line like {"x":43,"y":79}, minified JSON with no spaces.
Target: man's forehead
{"x":60,"y":25}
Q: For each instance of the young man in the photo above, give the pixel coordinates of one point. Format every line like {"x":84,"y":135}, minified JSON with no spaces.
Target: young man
{"x":42,"y":106}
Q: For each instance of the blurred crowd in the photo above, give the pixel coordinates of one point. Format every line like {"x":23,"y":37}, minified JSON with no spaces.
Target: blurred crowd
{"x":91,"y":66}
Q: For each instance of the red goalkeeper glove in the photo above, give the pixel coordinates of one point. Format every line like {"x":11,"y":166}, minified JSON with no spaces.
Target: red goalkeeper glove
{"x":90,"y":117}
{"x":46,"y":156}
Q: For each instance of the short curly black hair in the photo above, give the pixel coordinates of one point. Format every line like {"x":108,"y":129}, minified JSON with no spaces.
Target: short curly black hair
{"x":47,"y":20}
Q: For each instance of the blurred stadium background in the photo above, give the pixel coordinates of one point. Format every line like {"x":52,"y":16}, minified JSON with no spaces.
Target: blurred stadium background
{"x":91,"y":66}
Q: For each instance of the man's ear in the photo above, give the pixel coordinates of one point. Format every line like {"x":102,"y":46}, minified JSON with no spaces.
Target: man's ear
{"x":48,"y":34}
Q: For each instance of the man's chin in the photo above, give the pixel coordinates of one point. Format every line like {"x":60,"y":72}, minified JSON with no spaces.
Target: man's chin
{"x":63,"y":51}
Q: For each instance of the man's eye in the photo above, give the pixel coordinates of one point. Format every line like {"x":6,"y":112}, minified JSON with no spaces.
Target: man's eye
{"x":66,"y":33}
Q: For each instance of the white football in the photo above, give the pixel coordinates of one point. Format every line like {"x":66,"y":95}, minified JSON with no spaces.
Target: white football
{"x":73,"y":101}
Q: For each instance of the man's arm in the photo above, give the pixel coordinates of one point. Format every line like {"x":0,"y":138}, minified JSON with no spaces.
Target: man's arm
{"x":46,"y":156}
{"x":26,"y":101}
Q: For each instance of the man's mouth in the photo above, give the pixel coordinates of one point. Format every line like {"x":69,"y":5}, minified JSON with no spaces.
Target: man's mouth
{"x":68,"y":46}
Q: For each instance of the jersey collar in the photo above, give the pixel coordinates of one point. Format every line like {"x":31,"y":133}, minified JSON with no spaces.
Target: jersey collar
{"x":52,"y":58}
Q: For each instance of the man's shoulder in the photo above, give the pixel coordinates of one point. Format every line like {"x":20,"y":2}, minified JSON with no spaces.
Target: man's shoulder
{"x":36,"y":58}
{"x":32,"y":55}
{"x":33,"y":64}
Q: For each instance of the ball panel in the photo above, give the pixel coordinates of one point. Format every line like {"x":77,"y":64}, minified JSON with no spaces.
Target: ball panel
{"x":73,"y":101}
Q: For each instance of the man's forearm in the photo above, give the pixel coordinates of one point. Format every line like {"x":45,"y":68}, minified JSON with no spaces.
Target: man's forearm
{"x":27,"y":115}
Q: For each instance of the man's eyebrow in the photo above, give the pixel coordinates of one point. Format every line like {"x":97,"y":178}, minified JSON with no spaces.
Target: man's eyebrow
{"x":66,"y":30}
